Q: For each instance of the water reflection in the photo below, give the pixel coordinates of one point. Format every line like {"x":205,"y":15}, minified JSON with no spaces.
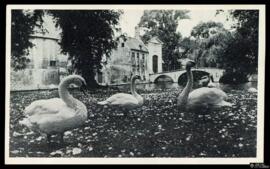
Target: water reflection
{"x":244,"y":86}
{"x":170,"y":85}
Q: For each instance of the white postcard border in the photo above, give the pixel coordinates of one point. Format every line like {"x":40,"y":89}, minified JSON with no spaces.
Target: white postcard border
{"x":76,"y":160}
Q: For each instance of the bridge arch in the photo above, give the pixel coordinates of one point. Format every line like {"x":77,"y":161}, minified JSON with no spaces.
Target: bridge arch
{"x":163,"y":78}
{"x":178,"y":75}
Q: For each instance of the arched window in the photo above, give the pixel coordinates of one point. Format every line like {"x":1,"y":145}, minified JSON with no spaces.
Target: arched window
{"x":155,"y":63}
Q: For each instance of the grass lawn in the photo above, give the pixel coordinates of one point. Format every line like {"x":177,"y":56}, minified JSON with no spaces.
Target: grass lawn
{"x":158,"y":129}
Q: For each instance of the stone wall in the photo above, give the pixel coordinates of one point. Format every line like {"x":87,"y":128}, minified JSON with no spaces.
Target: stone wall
{"x":34,"y":79}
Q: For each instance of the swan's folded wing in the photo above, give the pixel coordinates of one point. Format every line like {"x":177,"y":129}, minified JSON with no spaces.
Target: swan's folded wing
{"x":50,"y":106}
{"x":122,"y":99}
{"x":123,"y":102}
{"x":66,"y":119}
{"x":118,"y":97}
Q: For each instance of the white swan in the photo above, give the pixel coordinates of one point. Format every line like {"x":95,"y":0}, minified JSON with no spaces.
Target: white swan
{"x":124,"y":100}
{"x":57,"y":115}
{"x":203,"y":97}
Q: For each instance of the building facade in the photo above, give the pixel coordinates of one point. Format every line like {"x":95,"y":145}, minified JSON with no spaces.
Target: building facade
{"x":47,"y":65}
{"x":131,"y":57}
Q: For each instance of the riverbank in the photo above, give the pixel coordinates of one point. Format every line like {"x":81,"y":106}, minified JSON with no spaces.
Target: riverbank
{"x":158,"y":129}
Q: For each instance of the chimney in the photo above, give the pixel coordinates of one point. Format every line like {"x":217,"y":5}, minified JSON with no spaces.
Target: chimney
{"x":137,"y":32}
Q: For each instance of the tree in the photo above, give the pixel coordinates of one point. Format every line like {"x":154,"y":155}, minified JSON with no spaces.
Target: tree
{"x":209,"y":40}
{"x":164,"y":24}
{"x":86,"y":36}
{"x":188,"y":46}
{"x":203,"y":29}
{"x":23,"y":24}
{"x":241,"y":55}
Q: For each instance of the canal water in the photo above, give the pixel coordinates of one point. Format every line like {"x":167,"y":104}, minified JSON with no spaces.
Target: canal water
{"x":170,"y":85}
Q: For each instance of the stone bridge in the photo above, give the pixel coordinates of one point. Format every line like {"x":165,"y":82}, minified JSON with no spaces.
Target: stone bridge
{"x":175,"y":75}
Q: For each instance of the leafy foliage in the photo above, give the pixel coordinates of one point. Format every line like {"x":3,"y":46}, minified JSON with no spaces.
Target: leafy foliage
{"x":86,"y":36}
{"x":241,"y":54}
{"x":237,"y":52}
{"x":23,"y":25}
{"x":163,"y":24}
{"x":203,"y":29}
{"x":207,"y":41}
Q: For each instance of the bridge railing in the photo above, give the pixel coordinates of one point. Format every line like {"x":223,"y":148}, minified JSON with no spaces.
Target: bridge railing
{"x":170,"y":71}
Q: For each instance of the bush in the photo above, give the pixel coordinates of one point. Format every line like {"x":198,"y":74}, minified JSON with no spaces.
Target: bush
{"x":233,"y":78}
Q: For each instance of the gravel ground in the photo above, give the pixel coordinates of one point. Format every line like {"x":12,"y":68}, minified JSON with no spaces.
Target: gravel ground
{"x":157,"y":129}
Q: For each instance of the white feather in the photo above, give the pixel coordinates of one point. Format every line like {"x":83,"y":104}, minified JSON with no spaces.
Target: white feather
{"x":124,"y":100}
{"x":54,"y":115}
{"x":207,"y":97}
{"x":202,"y":97}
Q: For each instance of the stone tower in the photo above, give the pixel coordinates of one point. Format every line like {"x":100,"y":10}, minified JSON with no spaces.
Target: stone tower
{"x":154,"y":62}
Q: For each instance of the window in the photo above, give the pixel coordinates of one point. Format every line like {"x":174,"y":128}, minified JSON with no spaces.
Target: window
{"x":143,"y":61}
{"x":133,"y":58}
{"x":52,"y":63}
{"x":138,"y":59}
{"x":123,"y":44}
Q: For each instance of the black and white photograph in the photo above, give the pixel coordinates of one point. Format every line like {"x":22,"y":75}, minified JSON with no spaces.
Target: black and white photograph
{"x":134,"y":84}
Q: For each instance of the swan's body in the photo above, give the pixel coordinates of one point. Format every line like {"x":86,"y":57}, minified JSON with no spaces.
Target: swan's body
{"x":207,"y":97}
{"x":56,"y":115}
{"x":200,"y":98}
{"x":124,"y":100}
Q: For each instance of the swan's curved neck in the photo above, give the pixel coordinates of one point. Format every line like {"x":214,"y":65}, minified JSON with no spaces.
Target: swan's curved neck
{"x":64,"y":93}
{"x":132,"y":87}
{"x":183,"y":97}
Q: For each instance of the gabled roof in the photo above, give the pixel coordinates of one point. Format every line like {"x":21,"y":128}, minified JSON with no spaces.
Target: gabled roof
{"x":135,"y":44}
{"x":155,"y":39}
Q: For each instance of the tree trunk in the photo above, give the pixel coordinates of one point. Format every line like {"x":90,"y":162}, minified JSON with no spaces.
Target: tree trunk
{"x":89,"y":76}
